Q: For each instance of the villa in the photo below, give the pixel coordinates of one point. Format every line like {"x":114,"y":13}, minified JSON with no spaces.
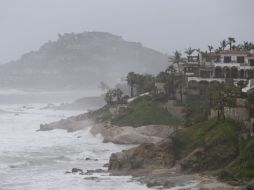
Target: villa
{"x":220,"y":66}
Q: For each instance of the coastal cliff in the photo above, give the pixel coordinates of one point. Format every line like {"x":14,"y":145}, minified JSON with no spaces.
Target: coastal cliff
{"x":211,"y":148}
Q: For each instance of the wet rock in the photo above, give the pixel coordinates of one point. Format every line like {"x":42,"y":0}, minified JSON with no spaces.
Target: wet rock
{"x":89,"y":159}
{"x":192,"y":162}
{"x":75,"y":170}
{"x":91,"y":178}
{"x":250,"y":186}
{"x":70,"y":124}
{"x":106,"y":165}
{"x":100,"y":171}
{"x":91,"y":172}
{"x":168,"y":184}
{"x":153,"y":184}
{"x":224,"y":175}
{"x":145,"y":156}
{"x":44,"y":127}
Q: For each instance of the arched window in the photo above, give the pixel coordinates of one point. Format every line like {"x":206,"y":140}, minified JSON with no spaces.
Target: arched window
{"x":234,"y":72}
{"x":218,"y":72}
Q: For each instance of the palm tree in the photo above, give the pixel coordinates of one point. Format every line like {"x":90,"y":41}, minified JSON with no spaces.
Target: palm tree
{"x":118,"y":94}
{"x":230,"y":41}
{"x":217,"y":100}
{"x":177,"y":59}
{"x":171,"y":71}
{"x":109,"y":97}
{"x":210,"y":48}
{"x":180,"y":81}
{"x":189,"y":51}
{"x":223,"y":44}
{"x":132,"y":81}
{"x":245,"y":45}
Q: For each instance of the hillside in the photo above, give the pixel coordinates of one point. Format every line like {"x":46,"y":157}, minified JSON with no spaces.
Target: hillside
{"x":80,"y":61}
{"x":214,"y":147}
{"x":142,"y":111}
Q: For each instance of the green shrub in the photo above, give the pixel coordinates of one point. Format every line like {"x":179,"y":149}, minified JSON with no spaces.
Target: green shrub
{"x":146,"y":111}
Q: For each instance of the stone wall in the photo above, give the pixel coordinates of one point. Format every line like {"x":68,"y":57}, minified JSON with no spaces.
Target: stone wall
{"x":236,"y":113}
{"x":241,"y":102}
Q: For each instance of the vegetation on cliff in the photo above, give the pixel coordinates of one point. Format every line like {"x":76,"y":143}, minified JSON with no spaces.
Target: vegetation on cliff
{"x":243,"y":166}
{"x":215,"y":147}
{"x":218,"y":139}
{"x":142,"y":111}
{"x":146,"y":111}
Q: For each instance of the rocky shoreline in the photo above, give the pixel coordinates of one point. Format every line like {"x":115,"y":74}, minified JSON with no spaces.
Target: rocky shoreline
{"x":150,"y":162}
{"x":153,"y":165}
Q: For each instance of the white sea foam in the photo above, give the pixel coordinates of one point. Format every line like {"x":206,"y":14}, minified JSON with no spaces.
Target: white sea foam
{"x":32,"y":160}
{"x":38,"y":160}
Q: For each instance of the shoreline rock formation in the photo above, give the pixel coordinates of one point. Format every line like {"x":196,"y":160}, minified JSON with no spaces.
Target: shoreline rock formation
{"x":152,"y":161}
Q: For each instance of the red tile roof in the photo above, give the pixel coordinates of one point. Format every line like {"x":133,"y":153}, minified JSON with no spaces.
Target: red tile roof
{"x":231,"y":52}
{"x":234,"y":52}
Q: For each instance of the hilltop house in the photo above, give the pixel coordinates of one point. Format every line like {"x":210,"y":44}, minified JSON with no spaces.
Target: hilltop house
{"x":234,"y":65}
{"x":219,"y":66}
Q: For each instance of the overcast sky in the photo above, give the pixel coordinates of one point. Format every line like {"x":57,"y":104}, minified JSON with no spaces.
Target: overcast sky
{"x":164,"y":25}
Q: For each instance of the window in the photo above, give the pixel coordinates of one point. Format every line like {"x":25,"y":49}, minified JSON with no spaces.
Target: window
{"x":227,"y":59}
{"x":251,"y":62}
{"x":240,"y":59}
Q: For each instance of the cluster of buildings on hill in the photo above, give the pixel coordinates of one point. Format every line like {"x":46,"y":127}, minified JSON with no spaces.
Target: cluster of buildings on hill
{"x":234,"y":65}
{"x":220,"y":66}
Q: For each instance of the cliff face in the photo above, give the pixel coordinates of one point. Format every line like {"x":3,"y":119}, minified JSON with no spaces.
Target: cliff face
{"x":145,"y":156}
{"x":79,"y":61}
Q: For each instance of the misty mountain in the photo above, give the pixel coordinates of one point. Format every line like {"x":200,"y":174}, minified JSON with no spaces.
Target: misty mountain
{"x":80,"y":61}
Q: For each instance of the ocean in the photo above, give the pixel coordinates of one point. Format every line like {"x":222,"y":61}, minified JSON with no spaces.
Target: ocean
{"x":32,"y":160}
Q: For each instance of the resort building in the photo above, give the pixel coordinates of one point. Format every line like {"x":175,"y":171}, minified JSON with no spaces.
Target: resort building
{"x":219,"y":66}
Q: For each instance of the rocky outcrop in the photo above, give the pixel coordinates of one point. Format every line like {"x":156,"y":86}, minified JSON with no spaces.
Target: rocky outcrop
{"x":70,"y":124}
{"x":130,"y":135}
{"x":144,"y":157}
{"x":250,"y":186}
{"x":76,"y":170}
{"x":192,"y":162}
{"x":86,"y":103}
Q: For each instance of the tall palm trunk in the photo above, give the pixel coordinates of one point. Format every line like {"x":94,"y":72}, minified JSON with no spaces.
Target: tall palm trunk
{"x":132,"y":90}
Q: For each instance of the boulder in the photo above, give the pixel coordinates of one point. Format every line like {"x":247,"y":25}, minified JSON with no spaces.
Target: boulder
{"x":192,"y":162}
{"x":75,"y":170}
{"x":106,"y":165}
{"x":225,"y":175}
{"x":145,"y":156}
{"x":70,"y":124}
{"x":250,"y":186}
{"x":91,"y":172}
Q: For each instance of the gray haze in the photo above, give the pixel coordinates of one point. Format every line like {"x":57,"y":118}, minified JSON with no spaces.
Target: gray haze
{"x":164,"y":25}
